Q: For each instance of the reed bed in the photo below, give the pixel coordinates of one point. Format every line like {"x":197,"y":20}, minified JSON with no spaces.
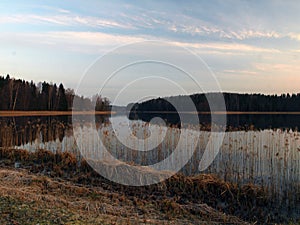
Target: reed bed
{"x":200,"y":196}
{"x":267,"y":158}
{"x":29,"y":133}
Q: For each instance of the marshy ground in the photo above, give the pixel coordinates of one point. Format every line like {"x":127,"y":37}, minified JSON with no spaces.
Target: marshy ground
{"x":27,"y":198}
{"x":51,"y":188}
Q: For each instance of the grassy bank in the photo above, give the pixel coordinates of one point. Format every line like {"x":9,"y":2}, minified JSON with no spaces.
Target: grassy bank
{"x":57,"y":189}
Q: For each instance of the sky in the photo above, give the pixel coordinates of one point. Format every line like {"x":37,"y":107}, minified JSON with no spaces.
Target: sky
{"x":248,"y":46}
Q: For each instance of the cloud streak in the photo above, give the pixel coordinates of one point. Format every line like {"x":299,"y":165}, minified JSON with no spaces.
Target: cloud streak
{"x":79,"y":40}
{"x":62,"y":20}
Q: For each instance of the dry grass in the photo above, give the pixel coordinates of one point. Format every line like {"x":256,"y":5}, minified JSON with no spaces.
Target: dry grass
{"x":27,"y":198}
{"x":52,"y":189}
{"x":63,"y":187}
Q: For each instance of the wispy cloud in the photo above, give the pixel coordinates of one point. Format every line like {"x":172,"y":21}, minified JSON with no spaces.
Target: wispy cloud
{"x":92,"y":38}
{"x":32,"y":19}
{"x":283,"y":68}
{"x":49,"y":8}
{"x":241,"y":72}
{"x":295,"y":36}
{"x":64,"y":20}
{"x":227,"y":47}
{"x":239,"y":39}
{"x":78,"y":40}
{"x":204,"y":30}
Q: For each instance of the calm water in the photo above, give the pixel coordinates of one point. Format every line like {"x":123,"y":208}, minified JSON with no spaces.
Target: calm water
{"x":234,"y":121}
{"x":266,"y":157}
{"x":243,"y":121}
{"x":25,"y":129}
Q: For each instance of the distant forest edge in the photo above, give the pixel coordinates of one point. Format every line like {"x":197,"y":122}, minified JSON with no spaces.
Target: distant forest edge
{"x":233,"y":102}
{"x":21,"y":95}
{"x":17,"y":94}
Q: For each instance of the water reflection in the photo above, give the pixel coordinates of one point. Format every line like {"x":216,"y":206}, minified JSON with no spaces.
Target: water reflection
{"x":234,"y":122}
{"x":270,"y":158}
{"x":20,"y":130}
{"x":16,"y":131}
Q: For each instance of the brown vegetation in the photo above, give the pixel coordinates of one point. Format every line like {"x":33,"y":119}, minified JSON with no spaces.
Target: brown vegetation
{"x":75,"y":188}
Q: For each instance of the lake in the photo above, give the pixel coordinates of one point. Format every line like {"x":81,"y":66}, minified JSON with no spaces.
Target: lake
{"x":268,"y":156}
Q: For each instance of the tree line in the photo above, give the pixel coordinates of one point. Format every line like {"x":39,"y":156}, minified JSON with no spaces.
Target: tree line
{"x":233,"y":102}
{"x":17,"y":94}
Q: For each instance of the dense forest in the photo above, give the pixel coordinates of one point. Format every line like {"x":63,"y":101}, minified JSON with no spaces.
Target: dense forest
{"x":19,"y":94}
{"x":233,"y":102}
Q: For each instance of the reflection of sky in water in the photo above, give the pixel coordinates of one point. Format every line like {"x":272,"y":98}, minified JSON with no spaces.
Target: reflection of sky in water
{"x":134,"y":134}
{"x":256,"y":155}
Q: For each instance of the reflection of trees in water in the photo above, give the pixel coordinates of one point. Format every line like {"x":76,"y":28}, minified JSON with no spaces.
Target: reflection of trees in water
{"x":234,"y":122}
{"x":15,"y":131}
{"x":264,"y":121}
{"x":21,"y":130}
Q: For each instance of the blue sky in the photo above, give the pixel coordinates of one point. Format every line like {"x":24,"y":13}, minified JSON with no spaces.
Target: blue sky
{"x":251,"y":46}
